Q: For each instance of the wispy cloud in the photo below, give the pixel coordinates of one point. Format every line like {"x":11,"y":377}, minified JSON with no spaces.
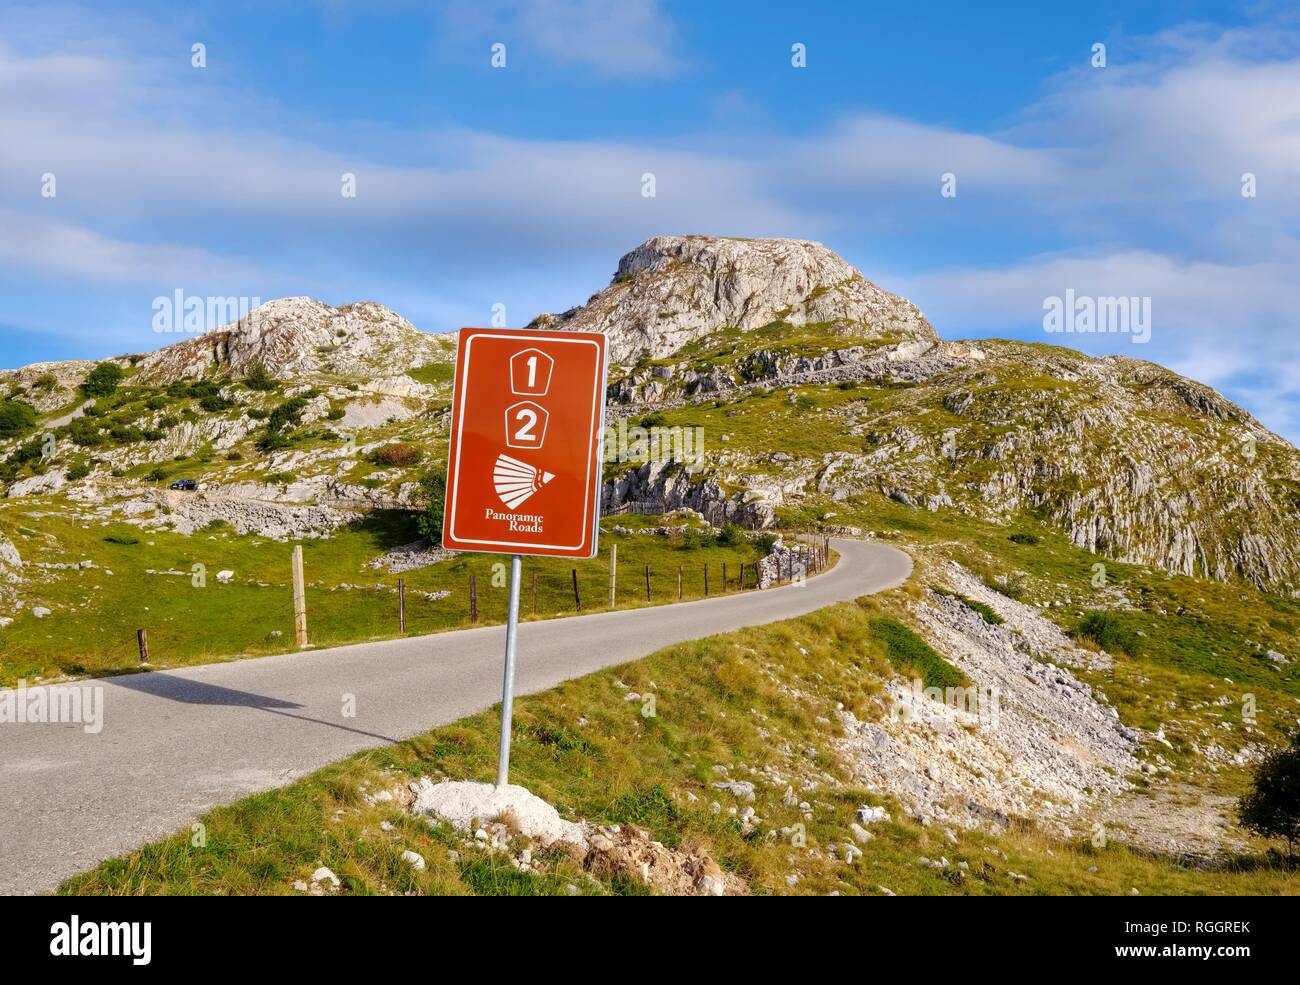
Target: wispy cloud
{"x":630,"y":39}
{"x":1123,"y":180}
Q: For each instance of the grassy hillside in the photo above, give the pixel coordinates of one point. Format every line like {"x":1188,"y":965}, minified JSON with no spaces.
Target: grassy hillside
{"x":760,"y":704}
{"x":95,"y":614}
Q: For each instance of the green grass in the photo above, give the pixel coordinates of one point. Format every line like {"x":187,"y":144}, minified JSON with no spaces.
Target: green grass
{"x":912,"y":655}
{"x":435,"y":373}
{"x":749,"y":699}
{"x":194,"y":620}
{"x":985,"y":611}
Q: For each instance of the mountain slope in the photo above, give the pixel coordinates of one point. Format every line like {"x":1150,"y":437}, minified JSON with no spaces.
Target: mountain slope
{"x":674,"y":290}
{"x":1132,"y":460}
{"x":297,"y":337}
{"x":811,"y":384}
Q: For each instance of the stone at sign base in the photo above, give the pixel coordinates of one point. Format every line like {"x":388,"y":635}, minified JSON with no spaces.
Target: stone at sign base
{"x":464,"y":804}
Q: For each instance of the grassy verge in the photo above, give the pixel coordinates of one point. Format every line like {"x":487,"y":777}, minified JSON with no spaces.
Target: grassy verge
{"x":96,"y":611}
{"x":754,"y":704}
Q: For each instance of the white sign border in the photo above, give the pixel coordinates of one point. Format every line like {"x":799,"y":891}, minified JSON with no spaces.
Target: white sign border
{"x":598,"y":413}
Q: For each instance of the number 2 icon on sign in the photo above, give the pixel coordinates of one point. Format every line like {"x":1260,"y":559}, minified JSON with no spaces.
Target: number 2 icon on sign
{"x":526,"y":425}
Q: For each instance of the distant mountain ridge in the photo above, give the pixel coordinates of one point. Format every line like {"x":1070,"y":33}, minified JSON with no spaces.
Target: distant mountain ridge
{"x":674,"y":290}
{"x":1133,"y":461}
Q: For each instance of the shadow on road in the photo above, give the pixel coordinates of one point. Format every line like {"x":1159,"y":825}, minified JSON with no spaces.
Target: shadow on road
{"x":192,"y":692}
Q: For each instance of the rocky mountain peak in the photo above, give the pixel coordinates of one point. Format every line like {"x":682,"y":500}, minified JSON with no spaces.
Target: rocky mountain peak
{"x":672,"y":290}
{"x":299,"y":336}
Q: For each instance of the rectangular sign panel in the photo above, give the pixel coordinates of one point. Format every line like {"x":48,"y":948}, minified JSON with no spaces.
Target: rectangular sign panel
{"x":527,"y":417}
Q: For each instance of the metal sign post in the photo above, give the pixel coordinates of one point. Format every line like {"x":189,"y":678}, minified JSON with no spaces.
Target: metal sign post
{"x":523,"y":469}
{"x":508,"y":685}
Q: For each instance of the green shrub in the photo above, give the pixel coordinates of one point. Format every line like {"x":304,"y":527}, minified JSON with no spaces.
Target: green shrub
{"x":259,"y":378}
{"x":732,"y":535}
{"x":911,"y":654}
{"x":85,"y":432}
{"x":215,"y":403}
{"x":159,"y":474}
{"x":125,"y":540}
{"x":1108,"y":632}
{"x":46,"y":381}
{"x":274,"y":441}
{"x":78,"y":471}
{"x":103,"y":380}
{"x":433,"y":486}
{"x":16,"y":418}
{"x":287,"y":415}
{"x":400,"y":455}
{"x":1272,"y":805}
{"x":1024,"y":537}
{"x":694,"y":538}
{"x":125,"y":434}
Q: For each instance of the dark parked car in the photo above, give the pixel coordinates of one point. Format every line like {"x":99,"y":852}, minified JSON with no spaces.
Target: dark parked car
{"x":188,"y":485}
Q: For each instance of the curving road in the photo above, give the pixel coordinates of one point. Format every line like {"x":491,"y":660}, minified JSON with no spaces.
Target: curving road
{"x":176,"y":743}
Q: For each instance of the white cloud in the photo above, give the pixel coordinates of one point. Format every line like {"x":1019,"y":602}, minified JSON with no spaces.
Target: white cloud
{"x":67,"y":251}
{"x":627,"y":39}
{"x":1225,"y":325}
{"x":1137,"y":167}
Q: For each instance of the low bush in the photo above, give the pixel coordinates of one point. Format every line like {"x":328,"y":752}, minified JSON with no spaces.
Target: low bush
{"x":1107,"y":631}
{"x":16,"y":418}
{"x":400,"y":455}
{"x":103,"y":380}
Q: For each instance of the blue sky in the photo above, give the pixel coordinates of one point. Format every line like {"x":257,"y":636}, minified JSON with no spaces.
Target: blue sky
{"x":521,"y":185}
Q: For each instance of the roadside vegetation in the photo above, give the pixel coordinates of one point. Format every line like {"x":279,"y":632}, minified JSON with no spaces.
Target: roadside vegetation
{"x":153,"y":585}
{"x":742,"y":702}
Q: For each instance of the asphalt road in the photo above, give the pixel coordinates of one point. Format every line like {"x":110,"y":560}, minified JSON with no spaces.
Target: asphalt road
{"x":177,"y":743}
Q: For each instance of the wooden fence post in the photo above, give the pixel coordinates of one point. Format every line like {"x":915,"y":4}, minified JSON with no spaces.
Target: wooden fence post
{"x":401,"y":605}
{"x":647,"y":583}
{"x":613,"y":573}
{"x":706,"y":581}
{"x":679,"y":583}
{"x":577,"y":599}
{"x":724,"y":577}
{"x":534,"y":593}
{"x":473,"y":599}
{"x":142,"y":638}
{"x":299,"y":598}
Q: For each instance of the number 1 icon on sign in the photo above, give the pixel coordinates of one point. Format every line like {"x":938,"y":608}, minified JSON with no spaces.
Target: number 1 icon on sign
{"x":530,"y":373}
